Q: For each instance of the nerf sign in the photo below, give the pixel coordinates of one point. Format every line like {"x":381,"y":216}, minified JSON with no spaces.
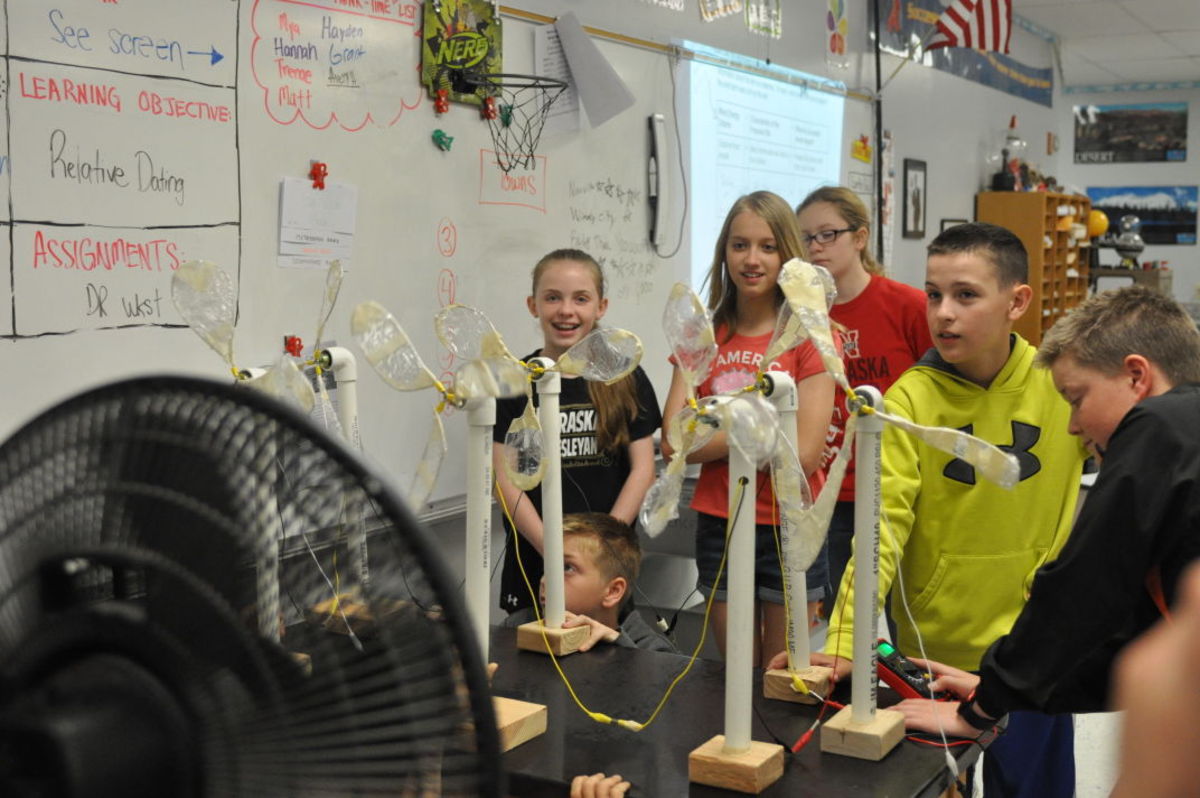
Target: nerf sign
{"x":459,"y":36}
{"x":463,"y":50}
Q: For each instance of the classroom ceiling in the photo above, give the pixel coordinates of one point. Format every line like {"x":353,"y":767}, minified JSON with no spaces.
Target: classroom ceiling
{"x":1105,"y":42}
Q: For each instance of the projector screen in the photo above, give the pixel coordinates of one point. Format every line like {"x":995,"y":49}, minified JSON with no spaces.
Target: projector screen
{"x":753,"y":126}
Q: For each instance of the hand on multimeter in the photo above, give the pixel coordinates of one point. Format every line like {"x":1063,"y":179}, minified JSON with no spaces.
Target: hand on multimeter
{"x":902,"y":674}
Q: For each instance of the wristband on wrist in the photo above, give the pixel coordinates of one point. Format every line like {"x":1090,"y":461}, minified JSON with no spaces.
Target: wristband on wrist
{"x":966,"y":711}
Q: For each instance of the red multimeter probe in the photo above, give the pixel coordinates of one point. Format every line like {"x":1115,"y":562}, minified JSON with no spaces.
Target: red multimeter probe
{"x":902,"y":675}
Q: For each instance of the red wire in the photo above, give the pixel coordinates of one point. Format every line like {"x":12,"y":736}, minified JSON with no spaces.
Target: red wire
{"x":804,"y":738}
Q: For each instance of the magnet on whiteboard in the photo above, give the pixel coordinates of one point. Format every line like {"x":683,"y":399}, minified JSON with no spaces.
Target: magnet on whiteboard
{"x":442,"y":141}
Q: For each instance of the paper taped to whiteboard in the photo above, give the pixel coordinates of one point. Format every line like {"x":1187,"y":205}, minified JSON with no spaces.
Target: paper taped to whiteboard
{"x":603,"y":93}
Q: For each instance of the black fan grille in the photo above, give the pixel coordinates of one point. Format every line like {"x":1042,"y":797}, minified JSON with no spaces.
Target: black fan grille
{"x":136,"y":520}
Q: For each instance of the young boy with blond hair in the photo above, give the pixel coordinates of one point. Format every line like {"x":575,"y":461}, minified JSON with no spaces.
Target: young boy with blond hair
{"x":1128,"y":364}
{"x":962,"y":551}
{"x":601,"y":560}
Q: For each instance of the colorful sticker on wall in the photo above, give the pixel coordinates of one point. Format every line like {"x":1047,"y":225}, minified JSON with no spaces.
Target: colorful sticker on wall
{"x":836,"y":28}
{"x":861,"y":148}
{"x":1167,"y":213}
{"x":461,"y":37}
{"x":1126,"y":133}
{"x":765,"y":17}
{"x":715,"y":9}
{"x":673,"y":5}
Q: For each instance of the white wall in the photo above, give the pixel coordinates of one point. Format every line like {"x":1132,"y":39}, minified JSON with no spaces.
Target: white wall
{"x":947,"y":121}
{"x":1183,"y":258}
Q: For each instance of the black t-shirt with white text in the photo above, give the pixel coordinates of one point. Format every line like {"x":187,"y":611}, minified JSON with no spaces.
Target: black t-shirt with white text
{"x":591,"y":479}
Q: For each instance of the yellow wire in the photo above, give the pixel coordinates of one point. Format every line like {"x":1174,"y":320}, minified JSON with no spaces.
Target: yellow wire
{"x":600,"y":717}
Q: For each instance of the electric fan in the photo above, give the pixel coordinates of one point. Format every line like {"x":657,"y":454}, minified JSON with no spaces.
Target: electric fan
{"x":133,"y":519}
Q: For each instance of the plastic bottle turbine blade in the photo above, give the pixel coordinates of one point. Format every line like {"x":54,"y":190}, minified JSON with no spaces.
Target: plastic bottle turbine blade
{"x":990,"y":461}
{"x":809,"y":292}
{"x":205,"y":296}
{"x":333,"y":286}
{"x":285,"y":382}
{"x":431,"y":463}
{"x":388,"y":348}
{"x":523,"y":463}
{"x":606,"y":354}
{"x":690,"y":334}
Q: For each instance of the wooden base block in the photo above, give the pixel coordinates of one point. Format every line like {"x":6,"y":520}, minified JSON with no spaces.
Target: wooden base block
{"x":750,"y":771}
{"x":841,"y":735}
{"x":777,"y":684}
{"x":518,"y":721}
{"x":562,"y":641}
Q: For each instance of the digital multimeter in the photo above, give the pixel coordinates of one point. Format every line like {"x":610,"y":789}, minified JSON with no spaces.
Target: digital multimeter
{"x":901,"y":674}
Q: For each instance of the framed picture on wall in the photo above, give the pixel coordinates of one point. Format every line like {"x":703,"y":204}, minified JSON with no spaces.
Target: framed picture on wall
{"x":914,"y":198}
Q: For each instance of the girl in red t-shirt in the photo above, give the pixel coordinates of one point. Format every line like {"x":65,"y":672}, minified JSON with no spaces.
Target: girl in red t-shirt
{"x":760,"y":234}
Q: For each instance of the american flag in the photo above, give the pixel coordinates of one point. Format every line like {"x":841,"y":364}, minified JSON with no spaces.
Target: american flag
{"x":979,"y":24}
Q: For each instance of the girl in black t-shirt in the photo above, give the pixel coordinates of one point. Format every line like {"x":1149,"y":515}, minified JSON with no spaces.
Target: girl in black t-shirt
{"x":606,"y":445}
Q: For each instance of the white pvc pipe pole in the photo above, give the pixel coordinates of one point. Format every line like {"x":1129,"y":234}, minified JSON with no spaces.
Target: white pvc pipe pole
{"x":341,"y":362}
{"x":549,"y":386}
{"x":739,"y":627}
{"x":783,"y":396}
{"x":867,"y":476}
{"x":345,"y":369}
{"x":481,"y":417}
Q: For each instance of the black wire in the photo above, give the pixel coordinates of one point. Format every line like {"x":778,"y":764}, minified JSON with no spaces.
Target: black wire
{"x":786,"y":745}
{"x":682,"y":170}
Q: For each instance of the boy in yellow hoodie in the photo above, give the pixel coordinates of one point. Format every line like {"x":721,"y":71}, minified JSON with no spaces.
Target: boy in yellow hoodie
{"x":966,"y":549}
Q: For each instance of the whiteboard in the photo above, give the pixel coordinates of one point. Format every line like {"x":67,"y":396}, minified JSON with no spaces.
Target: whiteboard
{"x":142,"y":133}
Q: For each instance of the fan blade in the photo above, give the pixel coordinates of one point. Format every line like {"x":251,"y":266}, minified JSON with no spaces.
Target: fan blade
{"x":993,"y":463}
{"x":333,"y":286}
{"x":523,"y":461}
{"x":750,"y":422}
{"x":499,"y":377}
{"x":604,"y":355}
{"x":388,"y":348}
{"x":661,"y":505}
{"x":468,"y":333}
{"x":685,"y":433}
{"x":805,"y":528}
{"x":285,"y":382}
{"x":807,"y":290}
{"x":690,"y":334}
{"x":205,"y":296}
{"x":326,"y":416}
{"x":431,"y":463}
{"x":789,"y":333}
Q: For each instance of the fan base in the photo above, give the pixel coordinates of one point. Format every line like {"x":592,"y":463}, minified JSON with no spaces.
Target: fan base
{"x":518,"y":721}
{"x":750,"y":771}
{"x":873,"y":740}
{"x":560,"y":641}
{"x":777,"y":684}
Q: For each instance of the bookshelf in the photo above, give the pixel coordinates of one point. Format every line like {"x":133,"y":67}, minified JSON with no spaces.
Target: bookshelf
{"x":1058,"y":261}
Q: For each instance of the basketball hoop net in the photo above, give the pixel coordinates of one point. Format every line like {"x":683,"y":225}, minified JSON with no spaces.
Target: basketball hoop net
{"x":522,"y":103}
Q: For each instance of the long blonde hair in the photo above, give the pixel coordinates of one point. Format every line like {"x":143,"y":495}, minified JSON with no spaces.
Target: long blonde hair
{"x":772,"y":209}
{"x":852,"y":209}
{"x":616,"y":404}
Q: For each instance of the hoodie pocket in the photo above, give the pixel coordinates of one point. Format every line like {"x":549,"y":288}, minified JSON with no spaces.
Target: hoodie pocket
{"x":973,"y":598}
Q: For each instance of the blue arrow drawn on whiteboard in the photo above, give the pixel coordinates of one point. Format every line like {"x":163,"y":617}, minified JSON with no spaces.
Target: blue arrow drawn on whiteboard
{"x":211,"y":52}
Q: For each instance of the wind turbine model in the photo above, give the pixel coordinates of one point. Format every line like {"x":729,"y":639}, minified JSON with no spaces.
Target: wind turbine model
{"x":206,"y":299}
{"x":860,"y":730}
{"x":756,"y":436}
{"x":489,"y":372}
